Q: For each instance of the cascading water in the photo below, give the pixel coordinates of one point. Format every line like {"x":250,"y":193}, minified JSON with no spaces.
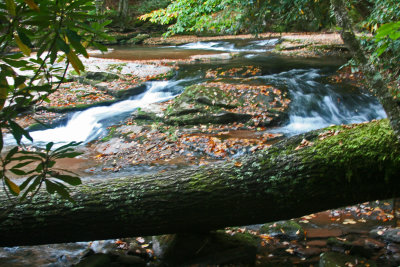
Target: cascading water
{"x":253,"y":47}
{"x":87,"y":125}
{"x":316,"y":105}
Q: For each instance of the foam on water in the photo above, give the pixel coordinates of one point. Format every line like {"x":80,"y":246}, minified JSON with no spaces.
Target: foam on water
{"x":253,"y":46}
{"x":316,"y":105}
{"x":86,"y":125}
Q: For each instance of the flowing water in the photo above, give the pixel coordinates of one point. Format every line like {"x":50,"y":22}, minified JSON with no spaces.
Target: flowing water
{"x":315,"y":103}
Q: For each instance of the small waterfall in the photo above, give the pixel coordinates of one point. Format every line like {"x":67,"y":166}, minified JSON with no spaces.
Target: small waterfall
{"x":88,"y":124}
{"x":315,"y":105}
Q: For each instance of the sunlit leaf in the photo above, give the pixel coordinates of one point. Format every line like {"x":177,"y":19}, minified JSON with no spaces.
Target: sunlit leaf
{"x":75,"y":62}
{"x":14,"y":189}
{"x":23,"y":47}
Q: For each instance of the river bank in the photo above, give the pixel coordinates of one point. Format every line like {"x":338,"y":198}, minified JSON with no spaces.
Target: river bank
{"x":219,"y":115}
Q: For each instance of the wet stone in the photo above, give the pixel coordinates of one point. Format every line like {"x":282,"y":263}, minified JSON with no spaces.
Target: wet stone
{"x":387,"y":234}
{"x":130,"y":129}
{"x":308,"y":252}
{"x":334,"y":259}
{"x":317,"y":243}
{"x":323,"y":233}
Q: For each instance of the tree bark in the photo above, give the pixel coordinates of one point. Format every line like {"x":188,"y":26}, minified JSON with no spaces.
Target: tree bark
{"x":374,"y":79}
{"x":351,"y":166}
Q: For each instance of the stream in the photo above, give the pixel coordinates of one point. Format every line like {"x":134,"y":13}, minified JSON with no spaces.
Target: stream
{"x":315,"y":103}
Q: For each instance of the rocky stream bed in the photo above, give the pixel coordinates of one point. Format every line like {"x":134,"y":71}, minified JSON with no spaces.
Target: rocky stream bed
{"x":230,"y":111}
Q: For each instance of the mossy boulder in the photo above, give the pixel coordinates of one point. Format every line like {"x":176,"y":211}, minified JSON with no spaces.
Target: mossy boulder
{"x":206,"y":248}
{"x":221,"y":103}
{"x":101,"y":76}
{"x":284,"y":230}
{"x":334,"y":259}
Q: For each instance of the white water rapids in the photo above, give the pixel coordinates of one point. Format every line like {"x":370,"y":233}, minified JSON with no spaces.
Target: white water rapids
{"x":87,"y":125}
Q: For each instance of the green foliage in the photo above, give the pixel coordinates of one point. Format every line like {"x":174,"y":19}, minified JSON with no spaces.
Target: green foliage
{"x":59,"y":31}
{"x":219,"y":16}
{"x":233,"y":16}
{"x":41,"y":171}
{"x":144,"y":7}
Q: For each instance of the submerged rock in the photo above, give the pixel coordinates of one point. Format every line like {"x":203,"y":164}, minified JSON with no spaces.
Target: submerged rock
{"x":333,"y":259}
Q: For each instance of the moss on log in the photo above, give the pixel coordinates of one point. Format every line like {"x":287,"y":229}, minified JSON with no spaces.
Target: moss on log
{"x":336,"y":166}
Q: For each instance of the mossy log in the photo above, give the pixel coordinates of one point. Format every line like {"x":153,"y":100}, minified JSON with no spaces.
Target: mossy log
{"x":336,"y":166}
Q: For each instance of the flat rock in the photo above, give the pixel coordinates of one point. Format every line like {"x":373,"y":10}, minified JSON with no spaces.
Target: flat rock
{"x":316,"y":243}
{"x":323,"y":233}
{"x":127,"y":129}
{"x":308,"y":252}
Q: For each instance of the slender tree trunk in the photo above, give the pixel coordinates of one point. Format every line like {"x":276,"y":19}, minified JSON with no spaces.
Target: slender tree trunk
{"x":374,"y":79}
{"x":123,"y":10}
{"x":286,"y":181}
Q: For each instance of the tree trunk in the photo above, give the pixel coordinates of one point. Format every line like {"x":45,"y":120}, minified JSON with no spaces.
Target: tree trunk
{"x":374,"y":79}
{"x":351,"y":164}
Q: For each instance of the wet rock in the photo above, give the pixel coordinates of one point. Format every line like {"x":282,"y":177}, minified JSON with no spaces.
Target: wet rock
{"x":206,"y":249}
{"x":317,"y":243}
{"x":223,"y":103}
{"x":354,"y":247}
{"x":323,"y":233}
{"x":393,"y":248}
{"x":308,"y":252}
{"x":96,"y":260}
{"x":387,"y":234}
{"x":218,"y":118}
{"x":114,"y":145}
{"x":101,"y":76}
{"x":103,"y":86}
{"x":150,"y":112}
{"x":284,"y":230}
{"x":130,"y":129}
{"x":334,"y":259}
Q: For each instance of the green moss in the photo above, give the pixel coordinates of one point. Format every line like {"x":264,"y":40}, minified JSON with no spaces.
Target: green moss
{"x":356,"y":147}
{"x":110,"y":134}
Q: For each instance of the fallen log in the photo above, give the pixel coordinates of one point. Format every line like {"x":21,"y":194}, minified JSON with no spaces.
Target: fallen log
{"x":323,"y":169}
